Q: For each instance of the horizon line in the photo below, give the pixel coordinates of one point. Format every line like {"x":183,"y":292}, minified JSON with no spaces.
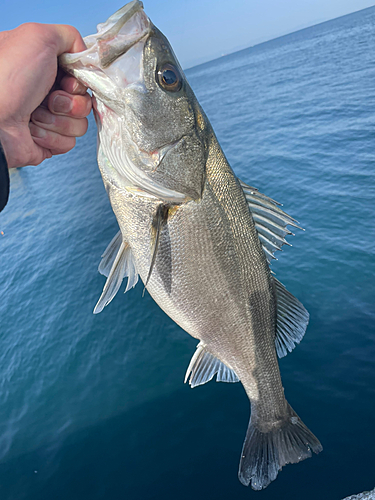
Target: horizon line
{"x":277,"y":37}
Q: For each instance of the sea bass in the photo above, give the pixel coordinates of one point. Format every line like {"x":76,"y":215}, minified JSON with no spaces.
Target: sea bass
{"x":199,"y":238}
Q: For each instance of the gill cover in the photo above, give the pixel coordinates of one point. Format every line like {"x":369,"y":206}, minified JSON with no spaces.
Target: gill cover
{"x":149,"y":142}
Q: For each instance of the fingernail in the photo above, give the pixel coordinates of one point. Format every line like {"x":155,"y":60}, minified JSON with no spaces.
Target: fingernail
{"x":79,"y":88}
{"x":42,"y":115}
{"x":62,"y":104}
{"x":36,"y":131}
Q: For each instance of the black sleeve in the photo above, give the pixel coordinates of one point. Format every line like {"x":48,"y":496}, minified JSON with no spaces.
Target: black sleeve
{"x":4,"y":180}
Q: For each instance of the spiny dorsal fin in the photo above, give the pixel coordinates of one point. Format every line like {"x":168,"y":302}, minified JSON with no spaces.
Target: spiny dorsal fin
{"x":204,"y":366}
{"x":292,"y":320}
{"x":122,"y":265}
{"x":270,"y":221}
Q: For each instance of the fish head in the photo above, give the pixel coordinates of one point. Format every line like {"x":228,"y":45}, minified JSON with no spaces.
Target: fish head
{"x":152,"y":131}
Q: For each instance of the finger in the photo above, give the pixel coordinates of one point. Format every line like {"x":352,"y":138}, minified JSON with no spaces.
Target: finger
{"x":63,"y":103}
{"x":39,"y":155}
{"x":66,"y":39}
{"x":56,"y":143}
{"x":63,"y":125}
{"x":71,"y":85}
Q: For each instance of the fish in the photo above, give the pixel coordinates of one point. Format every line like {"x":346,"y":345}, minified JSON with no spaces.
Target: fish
{"x":199,"y":238}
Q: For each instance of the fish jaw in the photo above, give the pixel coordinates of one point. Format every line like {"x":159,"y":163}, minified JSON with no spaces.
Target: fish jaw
{"x":123,"y":34}
{"x":112,"y":67}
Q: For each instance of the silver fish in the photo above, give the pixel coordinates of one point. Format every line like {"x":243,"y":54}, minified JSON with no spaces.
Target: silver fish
{"x":200,"y":239}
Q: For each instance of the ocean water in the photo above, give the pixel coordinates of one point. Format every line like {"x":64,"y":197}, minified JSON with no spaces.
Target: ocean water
{"x":94,"y":407}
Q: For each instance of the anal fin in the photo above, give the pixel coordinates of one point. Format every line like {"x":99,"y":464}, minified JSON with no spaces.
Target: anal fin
{"x":204,"y":366}
{"x":292,"y":320}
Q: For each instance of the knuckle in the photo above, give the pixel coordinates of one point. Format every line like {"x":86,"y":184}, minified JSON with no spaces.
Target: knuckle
{"x":67,"y":32}
{"x":43,"y":32}
{"x":73,"y":30}
{"x":32,"y":29}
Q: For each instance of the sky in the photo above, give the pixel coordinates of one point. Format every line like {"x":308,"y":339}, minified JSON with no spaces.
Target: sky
{"x":199,"y":30}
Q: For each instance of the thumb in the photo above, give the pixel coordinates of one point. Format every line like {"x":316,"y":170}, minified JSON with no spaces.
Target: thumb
{"x":66,"y":39}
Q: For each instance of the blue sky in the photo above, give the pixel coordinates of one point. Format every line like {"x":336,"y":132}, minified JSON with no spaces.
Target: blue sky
{"x":199,"y":30}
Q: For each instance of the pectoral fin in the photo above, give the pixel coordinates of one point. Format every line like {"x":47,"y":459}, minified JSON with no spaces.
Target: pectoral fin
{"x":292,"y":320}
{"x":204,"y":366}
{"x":109,"y":255}
{"x":160,"y":219}
{"x":121,"y":264}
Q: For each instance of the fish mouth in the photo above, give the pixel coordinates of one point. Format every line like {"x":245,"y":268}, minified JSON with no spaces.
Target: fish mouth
{"x":112,"y":41}
{"x":123,"y":34}
{"x":113,"y":62}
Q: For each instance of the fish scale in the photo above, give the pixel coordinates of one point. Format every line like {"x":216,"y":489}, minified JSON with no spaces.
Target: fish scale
{"x":199,"y":238}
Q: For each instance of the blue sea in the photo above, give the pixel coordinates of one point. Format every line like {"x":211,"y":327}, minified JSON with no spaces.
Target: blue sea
{"x":94,"y":407}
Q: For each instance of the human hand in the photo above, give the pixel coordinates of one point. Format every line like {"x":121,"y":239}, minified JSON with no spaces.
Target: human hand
{"x":41,"y":110}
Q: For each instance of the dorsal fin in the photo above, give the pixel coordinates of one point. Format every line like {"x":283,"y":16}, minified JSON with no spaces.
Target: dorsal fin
{"x":121,"y":264}
{"x":204,"y":366}
{"x":292,"y":320}
{"x":270,"y":221}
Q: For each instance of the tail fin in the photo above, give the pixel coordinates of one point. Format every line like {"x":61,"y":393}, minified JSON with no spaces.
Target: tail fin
{"x":265,"y":453}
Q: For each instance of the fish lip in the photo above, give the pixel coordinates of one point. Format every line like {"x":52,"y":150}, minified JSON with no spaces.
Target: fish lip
{"x":119,"y":18}
{"x":98,"y":43}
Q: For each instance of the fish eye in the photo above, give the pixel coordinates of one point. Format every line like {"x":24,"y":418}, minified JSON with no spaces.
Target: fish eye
{"x":169,"y":78}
